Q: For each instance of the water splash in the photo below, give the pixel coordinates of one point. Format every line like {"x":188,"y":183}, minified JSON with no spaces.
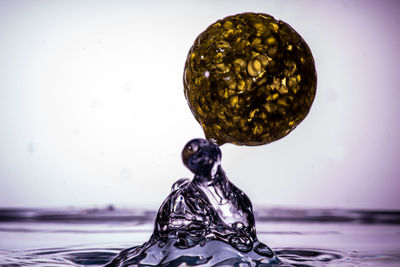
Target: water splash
{"x":204,"y":221}
{"x":93,"y":237}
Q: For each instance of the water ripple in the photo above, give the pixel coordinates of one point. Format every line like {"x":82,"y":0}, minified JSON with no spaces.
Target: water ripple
{"x":110,"y":214}
{"x":100,"y":256}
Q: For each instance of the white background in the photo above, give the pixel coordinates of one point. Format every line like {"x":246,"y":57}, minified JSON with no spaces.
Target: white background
{"x":92,"y":109}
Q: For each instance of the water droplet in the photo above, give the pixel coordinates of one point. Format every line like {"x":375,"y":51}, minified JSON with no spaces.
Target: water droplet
{"x":96,"y":104}
{"x":128,"y":86}
{"x":125,"y":174}
{"x":31,"y":147}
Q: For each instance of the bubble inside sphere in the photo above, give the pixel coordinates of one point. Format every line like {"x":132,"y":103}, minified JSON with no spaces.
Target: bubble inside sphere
{"x":249,"y":79}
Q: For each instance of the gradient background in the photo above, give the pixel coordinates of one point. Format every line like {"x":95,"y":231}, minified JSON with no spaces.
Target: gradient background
{"x":93,"y":112}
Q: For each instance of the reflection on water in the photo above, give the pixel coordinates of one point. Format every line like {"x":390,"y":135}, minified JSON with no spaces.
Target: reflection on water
{"x":299,"y":237}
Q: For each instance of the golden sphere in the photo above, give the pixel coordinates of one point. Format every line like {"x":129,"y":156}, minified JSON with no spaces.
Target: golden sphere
{"x":249,"y":79}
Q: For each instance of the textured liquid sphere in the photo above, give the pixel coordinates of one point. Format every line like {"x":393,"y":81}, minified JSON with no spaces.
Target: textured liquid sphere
{"x":249,"y":79}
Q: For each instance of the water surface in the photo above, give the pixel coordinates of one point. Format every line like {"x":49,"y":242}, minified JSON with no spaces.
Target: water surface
{"x":92,"y":237}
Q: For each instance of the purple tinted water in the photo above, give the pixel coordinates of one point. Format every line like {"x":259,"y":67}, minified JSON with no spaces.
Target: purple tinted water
{"x":92,"y":237}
